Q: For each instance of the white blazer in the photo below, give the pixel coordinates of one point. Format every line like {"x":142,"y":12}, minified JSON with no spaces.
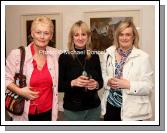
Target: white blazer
{"x":136,"y":104}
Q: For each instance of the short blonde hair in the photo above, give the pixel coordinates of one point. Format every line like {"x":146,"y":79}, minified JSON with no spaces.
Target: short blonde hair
{"x":122,"y":25}
{"x":42,"y":20}
{"x":85,"y":29}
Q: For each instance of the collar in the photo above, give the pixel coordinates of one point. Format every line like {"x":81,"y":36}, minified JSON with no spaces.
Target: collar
{"x":135,"y":51}
{"x":30,"y":51}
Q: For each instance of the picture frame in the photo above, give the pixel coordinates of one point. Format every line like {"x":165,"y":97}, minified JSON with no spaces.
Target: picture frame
{"x":103,"y":23}
{"x":26,"y":21}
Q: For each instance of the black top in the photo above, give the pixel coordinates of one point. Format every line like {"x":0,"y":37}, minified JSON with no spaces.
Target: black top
{"x":76,"y":98}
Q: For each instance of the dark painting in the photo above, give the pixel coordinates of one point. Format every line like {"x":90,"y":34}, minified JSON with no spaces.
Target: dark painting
{"x":102,"y":30}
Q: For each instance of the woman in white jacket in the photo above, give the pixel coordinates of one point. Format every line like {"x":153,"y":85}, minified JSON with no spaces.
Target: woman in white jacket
{"x":127,"y":75}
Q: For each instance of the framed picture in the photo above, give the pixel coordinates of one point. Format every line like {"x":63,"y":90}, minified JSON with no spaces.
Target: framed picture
{"x":26,"y":21}
{"x":103,"y":24}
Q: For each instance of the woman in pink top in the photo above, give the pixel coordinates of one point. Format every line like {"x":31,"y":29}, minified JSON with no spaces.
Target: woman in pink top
{"x":41,"y":70}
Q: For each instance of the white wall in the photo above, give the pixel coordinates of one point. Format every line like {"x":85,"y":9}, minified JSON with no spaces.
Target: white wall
{"x":71,"y":14}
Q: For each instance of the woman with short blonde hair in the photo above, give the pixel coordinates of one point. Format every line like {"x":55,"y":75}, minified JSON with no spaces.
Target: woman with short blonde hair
{"x":41,"y":70}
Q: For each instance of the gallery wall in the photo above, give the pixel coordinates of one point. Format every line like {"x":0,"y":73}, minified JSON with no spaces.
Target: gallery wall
{"x":69,"y":15}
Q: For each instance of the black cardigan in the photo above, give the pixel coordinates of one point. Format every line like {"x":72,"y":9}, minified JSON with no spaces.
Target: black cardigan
{"x":76,"y":98}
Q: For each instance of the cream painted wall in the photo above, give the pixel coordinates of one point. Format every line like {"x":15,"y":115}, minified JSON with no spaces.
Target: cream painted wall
{"x":71,"y":14}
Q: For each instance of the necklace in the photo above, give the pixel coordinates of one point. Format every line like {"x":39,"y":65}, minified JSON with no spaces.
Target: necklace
{"x":84,"y":73}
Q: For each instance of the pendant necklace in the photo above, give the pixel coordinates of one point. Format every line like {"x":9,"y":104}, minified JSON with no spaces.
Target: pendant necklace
{"x":84,"y":73}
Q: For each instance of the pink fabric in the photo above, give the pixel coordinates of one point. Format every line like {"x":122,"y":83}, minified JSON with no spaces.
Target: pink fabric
{"x":12,"y":66}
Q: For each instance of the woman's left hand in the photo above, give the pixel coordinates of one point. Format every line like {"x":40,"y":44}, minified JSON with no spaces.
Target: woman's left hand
{"x":93,"y":84}
{"x":120,"y":83}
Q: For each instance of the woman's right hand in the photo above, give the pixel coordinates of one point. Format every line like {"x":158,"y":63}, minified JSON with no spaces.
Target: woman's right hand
{"x":81,"y":81}
{"x":113,"y":83}
{"x":28,"y":93}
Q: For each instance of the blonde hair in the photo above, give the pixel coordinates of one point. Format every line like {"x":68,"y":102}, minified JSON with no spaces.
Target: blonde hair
{"x":42,"y":20}
{"x":84,"y":29}
{"x":122,"y":25}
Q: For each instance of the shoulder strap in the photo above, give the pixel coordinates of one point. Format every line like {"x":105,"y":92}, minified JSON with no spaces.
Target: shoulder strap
{"x":22,"y":53}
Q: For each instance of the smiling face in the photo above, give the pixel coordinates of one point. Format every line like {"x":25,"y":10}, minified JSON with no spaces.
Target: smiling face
{"x":41,"y":35}
{"x":42,"y":31}
{"x":80,"y":38}
{"x":125,"y":38}
{"x":126,"y":35}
